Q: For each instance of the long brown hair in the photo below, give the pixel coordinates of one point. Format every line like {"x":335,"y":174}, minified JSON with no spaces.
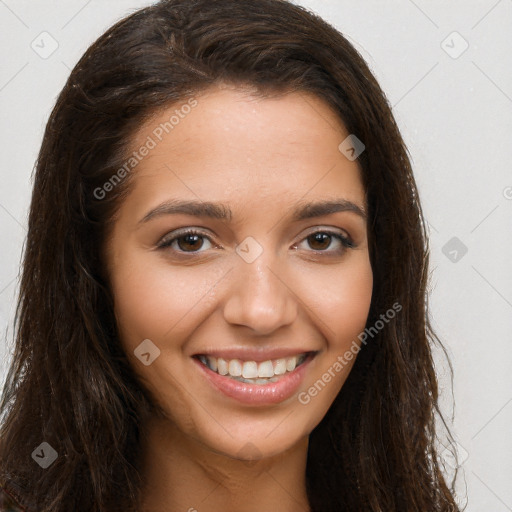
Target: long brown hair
{"x":70,"y":384}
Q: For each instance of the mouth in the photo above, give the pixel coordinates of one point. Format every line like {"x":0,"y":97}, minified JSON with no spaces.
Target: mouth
{"x":266,"y":382}
{"x":252,"y":372}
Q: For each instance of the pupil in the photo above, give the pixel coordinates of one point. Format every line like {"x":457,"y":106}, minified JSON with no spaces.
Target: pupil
{"x":320,"y":237}
{"x":190,"y":240}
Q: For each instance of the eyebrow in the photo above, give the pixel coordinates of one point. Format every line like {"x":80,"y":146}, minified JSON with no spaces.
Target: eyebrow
{"x":301,"y":211}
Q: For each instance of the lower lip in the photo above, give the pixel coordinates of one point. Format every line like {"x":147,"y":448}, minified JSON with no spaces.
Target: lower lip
{"x":257,"y":394}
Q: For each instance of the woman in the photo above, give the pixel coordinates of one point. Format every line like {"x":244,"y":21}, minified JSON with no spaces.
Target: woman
{"x":222,"y":304}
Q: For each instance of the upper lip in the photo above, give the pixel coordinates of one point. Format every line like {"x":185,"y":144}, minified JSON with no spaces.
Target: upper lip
{"x":254,"y":354}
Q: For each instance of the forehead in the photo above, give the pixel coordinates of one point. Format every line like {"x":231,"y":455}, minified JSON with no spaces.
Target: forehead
{"x":222,"y":118}
{"x":232,"y":145}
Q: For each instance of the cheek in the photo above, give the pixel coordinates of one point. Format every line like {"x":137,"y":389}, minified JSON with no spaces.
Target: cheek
{"x":354,"y":299}
{"x":156,"y":302}
{"x":150,"y":299}
{"x":341,"y":300}
{"x":341,"y":306}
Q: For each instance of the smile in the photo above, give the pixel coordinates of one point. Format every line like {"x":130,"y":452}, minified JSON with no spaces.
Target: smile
{"x":252,"y":383}
{"x":252,"y":372}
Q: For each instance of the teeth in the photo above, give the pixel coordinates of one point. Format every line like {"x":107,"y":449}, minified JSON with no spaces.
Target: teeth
{"x":212,"y":363}
{"x":222,"y":366}
{"x":257,"y":381}
{"x":251,"y":371}
{"x":266,"y":369}
{"x":291,"y":363}
{"x":235,"y":368}
{"x":280,"y":367}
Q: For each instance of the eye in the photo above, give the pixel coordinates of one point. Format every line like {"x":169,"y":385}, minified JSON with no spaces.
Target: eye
{"x":185,"y":241}
{"x":192,"y":241}
{"x":320,"y":241}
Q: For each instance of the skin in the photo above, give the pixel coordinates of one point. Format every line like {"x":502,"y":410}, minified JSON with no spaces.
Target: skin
{"x":259,"y":156}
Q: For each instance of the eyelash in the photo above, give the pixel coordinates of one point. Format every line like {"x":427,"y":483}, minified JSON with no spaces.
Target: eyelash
{"x":346,"y":242}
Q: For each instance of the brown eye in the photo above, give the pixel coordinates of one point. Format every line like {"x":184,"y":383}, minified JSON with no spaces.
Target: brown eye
{"x":190,"y":242}
{"x":328,"y":242}
{"x":319,"y":241}
{"x":186,"y":242}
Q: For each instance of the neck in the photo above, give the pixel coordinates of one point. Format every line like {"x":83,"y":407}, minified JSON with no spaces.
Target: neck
{"x":182,"y":474}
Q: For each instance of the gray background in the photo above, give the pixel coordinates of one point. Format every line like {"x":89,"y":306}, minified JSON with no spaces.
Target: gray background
{"x":454,"y":107}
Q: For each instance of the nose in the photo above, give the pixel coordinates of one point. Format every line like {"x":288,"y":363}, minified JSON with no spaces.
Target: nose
{"x":260,"y":296}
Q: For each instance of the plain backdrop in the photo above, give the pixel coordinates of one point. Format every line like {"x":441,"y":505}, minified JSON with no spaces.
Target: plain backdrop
{"x":446,"y":70}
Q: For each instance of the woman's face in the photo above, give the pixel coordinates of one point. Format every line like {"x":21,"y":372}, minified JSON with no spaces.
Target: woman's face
{"x":273,"y":284}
